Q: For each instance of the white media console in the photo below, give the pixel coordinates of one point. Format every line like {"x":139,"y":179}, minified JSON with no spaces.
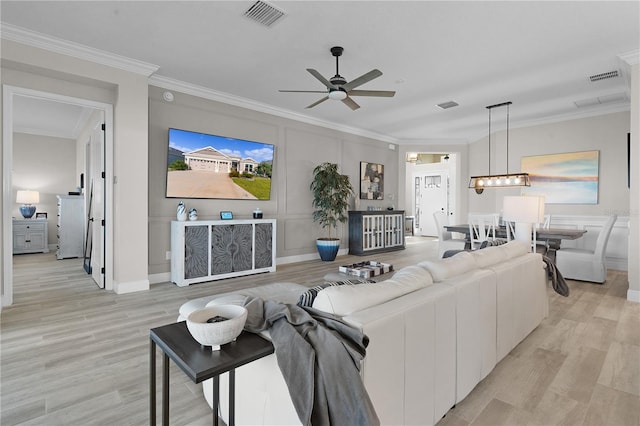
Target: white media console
{"x":207,"y":250}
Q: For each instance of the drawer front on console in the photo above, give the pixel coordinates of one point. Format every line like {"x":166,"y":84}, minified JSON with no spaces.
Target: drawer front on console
{"x":196,"y":248}
{"x":32,"y":227}
{"x":231,"y":248}
{"x":264,"y":244}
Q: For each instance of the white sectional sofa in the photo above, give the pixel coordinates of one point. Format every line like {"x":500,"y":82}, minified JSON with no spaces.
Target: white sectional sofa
{"x":436,"y":329}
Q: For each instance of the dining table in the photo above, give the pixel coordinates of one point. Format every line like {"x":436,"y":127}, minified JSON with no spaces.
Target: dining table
{"x":553,"y":236}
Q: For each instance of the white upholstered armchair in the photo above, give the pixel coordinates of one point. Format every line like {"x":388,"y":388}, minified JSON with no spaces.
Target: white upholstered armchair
{"x":587,"y":265}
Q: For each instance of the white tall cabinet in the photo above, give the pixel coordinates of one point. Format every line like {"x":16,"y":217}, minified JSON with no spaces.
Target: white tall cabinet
{"x":70,"y":226}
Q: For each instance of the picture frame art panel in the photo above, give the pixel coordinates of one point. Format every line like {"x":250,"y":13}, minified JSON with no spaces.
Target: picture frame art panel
{"x":371,"y":181}
{"x":567,"y":178}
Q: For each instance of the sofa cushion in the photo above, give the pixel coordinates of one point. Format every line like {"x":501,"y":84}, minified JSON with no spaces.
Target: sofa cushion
{"x":515,"y":248}
{"x":442,"y":269}
{"x":489,"y":256}
{"x":307,"y":298}
{"x":346,"y":299}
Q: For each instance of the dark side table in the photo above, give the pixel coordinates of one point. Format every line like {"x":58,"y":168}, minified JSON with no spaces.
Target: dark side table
{"x":200,"y":363}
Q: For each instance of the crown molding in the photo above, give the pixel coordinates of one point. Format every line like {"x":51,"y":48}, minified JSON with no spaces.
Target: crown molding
{"x":594,"y":111}
{"x":76,"y":50}
{"x":632,"y":57}
{"x":226,"y":98}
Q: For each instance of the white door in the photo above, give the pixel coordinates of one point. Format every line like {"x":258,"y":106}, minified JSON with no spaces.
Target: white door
{"x":94,"y":252}
{"x":431,"y":195}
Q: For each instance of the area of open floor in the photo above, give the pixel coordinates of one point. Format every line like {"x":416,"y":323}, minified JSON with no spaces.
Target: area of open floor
{"x":74,"y":354}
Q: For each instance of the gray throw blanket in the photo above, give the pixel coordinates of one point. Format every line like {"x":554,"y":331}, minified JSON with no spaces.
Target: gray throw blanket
{"x":319,"y":356}
{"x":557,"y":280}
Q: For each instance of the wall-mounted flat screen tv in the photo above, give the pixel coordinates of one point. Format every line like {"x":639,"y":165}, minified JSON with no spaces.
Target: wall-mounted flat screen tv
{"x":209,"y":166}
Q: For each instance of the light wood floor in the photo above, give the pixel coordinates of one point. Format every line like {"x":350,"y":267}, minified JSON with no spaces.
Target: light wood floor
{"x":72,"y":354}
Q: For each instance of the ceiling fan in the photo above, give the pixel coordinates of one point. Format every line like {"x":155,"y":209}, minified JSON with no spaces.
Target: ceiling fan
{"x":339,"y":89}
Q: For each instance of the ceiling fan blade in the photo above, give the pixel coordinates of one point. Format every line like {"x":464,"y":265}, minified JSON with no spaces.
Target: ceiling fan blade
{"x":303,"y":91}
{"x":323,"y":80}
{"x":362,"y":80}
{"x":318,"y":102}
{"x":350,"y":103}
{"x":381,"y":93}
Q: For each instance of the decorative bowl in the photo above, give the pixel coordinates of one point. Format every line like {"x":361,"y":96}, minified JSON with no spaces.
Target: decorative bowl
{"x":216,"y":325}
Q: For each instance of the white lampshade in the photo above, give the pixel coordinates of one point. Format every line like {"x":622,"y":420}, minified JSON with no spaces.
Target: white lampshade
{"x":28,"y":197}
{"x":527,"y":209}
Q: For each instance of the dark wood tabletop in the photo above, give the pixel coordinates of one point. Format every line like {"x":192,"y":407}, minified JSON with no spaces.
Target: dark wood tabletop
{"x":553,"y":234}
{"x":200,"y":362}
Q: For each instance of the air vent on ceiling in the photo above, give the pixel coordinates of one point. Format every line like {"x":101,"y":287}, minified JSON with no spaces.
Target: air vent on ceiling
{"x":264,"y":13}
{"x":447,"y":105}
{"x":601,"y":100}
{"x":604,"y":75}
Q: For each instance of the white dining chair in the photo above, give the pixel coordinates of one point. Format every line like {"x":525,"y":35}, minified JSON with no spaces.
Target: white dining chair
{"x":445,"y":239}
{"x":587,"y":265}
{"x":482,"y":227}
{"x":542,"y":244}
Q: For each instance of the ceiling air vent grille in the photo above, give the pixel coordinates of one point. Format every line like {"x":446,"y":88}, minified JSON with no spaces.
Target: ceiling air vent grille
{"x":447,"y":105}
{"x":604,"y":76}
{"x":264,"y":13}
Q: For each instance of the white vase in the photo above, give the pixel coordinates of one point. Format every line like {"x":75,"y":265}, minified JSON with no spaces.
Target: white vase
{"x":181,"y":212}
{"x":193,"y":214}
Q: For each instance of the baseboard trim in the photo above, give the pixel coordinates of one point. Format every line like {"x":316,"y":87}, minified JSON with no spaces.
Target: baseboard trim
{"x":633,"y":296}
{"x":131,"y":286}
{"x":160,"y":278}
{"x":305,"y":257}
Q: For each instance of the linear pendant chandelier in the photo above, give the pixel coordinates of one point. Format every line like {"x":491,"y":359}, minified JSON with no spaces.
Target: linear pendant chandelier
{"x":505,"y":180}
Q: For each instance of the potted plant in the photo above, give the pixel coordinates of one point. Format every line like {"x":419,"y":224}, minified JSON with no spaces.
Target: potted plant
{"x":331,"y":192}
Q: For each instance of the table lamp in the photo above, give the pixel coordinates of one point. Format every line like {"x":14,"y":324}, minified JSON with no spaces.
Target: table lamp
{"x":27,"y":199}
{"x":525,"y":211}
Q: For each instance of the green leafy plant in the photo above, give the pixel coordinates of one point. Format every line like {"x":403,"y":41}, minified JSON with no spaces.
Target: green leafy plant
{"x":178,"y":165}
{"x":331,"y":192}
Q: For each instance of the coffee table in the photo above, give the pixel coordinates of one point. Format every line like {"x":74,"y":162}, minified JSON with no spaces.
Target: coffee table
{"x":200,"y":363}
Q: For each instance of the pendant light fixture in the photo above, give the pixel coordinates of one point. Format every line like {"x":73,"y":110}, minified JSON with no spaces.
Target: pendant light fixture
{"x":505,"y":180}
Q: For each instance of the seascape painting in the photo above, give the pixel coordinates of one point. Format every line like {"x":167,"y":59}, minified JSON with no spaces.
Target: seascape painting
{"x":568,"y":178}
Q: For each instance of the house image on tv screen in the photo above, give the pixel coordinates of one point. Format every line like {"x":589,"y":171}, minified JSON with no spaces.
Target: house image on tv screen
{"x":212,"y":160}
{"x":208,"y":166}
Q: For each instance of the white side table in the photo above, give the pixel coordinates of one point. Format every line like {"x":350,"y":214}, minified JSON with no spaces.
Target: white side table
{"x":30,"y":236}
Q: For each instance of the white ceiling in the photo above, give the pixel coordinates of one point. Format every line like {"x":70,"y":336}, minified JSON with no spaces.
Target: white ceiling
{"x":48,"y":118}
{"x":539,"y":55}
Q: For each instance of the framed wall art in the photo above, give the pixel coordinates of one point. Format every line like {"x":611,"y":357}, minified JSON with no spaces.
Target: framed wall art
{"x":371,"y":181}
{"x":568,"y":178}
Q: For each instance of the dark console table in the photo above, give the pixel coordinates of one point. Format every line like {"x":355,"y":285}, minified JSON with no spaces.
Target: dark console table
{"x":375,"y":231}
{"x":200,"y":363}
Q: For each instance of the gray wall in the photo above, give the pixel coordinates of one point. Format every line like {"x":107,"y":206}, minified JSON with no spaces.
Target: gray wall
{"x":605,"y":133}
{"x":45,"y":164}
{"x":299,"y":147}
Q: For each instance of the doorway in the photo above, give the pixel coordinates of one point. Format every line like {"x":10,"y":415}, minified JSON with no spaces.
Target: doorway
{"x":431,"y":185}
{"x":432,"y":194}
{"x":13,"y":94}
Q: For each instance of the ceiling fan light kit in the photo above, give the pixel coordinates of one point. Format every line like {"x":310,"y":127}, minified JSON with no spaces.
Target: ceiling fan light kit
{"x":505,"y":180}
{"x":337,"y":95}
{"x":339,"y":89}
